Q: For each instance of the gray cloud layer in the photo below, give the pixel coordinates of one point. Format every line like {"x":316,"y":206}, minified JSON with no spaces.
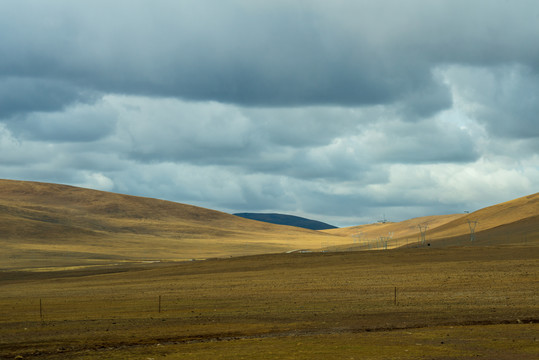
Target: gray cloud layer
{"x":260,"y":53}
{"x":334,"y":109}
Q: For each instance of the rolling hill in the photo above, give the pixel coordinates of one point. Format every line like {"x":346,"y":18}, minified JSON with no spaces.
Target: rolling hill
{"x":508,"y":222}
{"x":290,"y":220}
{"x":50,"y":225}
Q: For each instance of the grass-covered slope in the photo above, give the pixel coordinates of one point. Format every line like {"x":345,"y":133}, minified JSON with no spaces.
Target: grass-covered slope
{"x":49,"y":225}
{"x":512,"y":221}
{"x":57,"y":225}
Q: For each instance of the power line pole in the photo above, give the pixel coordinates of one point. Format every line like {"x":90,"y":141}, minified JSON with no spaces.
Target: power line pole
{"x":472,"y":224}
{"x":423,"y":231}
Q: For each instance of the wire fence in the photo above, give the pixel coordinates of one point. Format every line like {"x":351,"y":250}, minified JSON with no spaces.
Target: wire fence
{"x":374,"y":299}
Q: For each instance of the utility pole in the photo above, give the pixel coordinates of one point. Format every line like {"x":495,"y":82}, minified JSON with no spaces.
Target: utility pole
{"x":472,"y":224}
{"x":357,"y":238}
{"x":423,"y":231}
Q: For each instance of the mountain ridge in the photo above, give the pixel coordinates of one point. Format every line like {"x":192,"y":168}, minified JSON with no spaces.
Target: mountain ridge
{"x":285,"y":219}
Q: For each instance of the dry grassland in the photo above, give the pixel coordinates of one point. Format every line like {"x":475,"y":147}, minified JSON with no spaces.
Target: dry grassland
{"x":511,"y":222}
{"x":50,"y":225}
{"x":451,"y":303}
{"x":87,"y":274}
{"x":46,"y":226}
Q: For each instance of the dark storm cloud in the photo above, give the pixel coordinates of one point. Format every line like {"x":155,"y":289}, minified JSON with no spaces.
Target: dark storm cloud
{"x":264,"y":53}
{"x":22,"y":95}
{"x":81,"y":123}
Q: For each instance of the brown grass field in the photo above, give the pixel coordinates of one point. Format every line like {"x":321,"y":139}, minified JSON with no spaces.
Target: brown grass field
{"x":50,"y":225}
{"x":451,"y":303}
{"x":93,"y":275}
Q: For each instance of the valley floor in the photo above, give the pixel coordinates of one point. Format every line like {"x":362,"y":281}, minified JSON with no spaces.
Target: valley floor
{"x":443,"y":303}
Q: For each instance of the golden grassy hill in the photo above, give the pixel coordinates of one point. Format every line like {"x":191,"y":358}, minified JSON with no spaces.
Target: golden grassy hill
{"x":523,"y":211}
{"x":45,"y":225}
{"x":407,"y":228}
{"x":512,"y":221}
{"x":56,"y":226}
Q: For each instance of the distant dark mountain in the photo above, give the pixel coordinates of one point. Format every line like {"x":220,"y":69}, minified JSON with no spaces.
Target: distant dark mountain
{"x":290,"y":220}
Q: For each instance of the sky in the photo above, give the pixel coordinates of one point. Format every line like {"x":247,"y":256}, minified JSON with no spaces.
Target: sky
{"x":341,"y":111}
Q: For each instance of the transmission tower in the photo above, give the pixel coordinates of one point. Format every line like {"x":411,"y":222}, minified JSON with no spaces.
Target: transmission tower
{"x":357,"y":238}
{"x":423,"y":231}
{"x":472,"y":224}
{"x":382,"y":241}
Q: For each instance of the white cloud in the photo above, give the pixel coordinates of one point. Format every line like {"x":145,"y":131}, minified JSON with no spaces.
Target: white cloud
{"x":503,"y":98}
{"x":96,"y":181}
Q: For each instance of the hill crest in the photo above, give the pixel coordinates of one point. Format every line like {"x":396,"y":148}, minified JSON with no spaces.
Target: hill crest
{"x":498,"y":224}
{"x":44,"y":224}
{"x":51,"y":225}
{"x":284,"y":219}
